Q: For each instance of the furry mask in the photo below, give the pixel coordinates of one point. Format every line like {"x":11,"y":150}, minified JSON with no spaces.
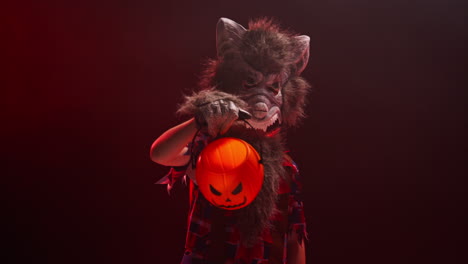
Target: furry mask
{"x":262,"y":66}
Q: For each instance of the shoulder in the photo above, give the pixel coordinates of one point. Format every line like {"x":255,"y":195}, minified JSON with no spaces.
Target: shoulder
{"x":289,"y":163}
{"x":293,"y":175}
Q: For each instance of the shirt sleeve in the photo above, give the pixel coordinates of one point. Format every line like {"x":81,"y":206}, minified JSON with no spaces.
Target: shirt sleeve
{"x":194,"y":148}
{"x":297,"y":221}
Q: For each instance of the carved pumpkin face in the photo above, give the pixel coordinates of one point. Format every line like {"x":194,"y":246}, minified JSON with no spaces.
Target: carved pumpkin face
{"x":229,"y":173}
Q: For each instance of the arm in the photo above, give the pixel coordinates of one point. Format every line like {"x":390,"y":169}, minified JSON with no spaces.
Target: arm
{"x":169,"y":149}
{"x":217,"y":110}
{"x":296,"y":249}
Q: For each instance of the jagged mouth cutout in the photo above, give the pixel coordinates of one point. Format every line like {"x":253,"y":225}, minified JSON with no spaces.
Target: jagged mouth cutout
{"x":230,"y":206}
{"x":271,"y":122}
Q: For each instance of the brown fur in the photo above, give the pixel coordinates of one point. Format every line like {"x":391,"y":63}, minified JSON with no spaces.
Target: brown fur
{"x":267,"y":49}
{"x":253,"y":219}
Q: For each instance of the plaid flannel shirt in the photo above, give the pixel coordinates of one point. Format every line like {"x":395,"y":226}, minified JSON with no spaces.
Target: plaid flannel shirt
{"x":204,"y":217}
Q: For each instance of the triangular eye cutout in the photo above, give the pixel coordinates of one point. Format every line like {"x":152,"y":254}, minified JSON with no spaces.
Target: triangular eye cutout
{"x":214,"y":191}
{"x":238,"y":189}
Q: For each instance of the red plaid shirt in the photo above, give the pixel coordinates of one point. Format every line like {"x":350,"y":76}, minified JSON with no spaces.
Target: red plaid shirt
{"x":204,"y":218}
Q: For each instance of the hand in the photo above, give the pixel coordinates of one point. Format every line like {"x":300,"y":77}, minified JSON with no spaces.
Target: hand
{"x":218,"y":116}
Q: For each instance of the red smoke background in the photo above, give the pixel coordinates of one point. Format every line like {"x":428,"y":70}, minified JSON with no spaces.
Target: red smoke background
{"x":86,"y":87}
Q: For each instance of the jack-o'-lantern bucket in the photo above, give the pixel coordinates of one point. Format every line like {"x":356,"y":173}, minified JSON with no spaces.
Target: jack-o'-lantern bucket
{"x":229,"y":173}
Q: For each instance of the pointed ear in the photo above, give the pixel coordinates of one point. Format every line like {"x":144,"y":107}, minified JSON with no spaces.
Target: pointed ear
{"x":303,"y":44}
{"x":227,"y":31}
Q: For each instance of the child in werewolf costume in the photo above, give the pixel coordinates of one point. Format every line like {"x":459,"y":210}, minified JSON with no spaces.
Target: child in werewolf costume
{"x":255,"y":77}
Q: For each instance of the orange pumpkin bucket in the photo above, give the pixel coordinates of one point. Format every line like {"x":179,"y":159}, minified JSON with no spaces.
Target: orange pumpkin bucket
{"x":229,"y":173}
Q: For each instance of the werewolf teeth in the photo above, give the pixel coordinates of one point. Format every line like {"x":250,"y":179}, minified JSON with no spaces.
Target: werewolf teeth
{"x":263,"y":125}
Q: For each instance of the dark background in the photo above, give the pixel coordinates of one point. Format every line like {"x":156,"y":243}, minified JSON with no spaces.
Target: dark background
{"x":87,"y":86}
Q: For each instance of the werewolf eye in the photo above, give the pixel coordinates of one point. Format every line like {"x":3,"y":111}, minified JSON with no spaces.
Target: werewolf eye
{"x":214,"y":191}
{"x":275,"y":87}
{"x":250,"y":82}
{"x":238,"y":189}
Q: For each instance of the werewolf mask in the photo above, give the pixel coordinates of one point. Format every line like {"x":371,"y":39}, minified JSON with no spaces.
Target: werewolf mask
{"x":257,"y":70}
{"x":261,"y":65}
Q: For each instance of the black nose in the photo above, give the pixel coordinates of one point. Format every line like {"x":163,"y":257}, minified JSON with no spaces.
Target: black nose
{"x":228,"y":200}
